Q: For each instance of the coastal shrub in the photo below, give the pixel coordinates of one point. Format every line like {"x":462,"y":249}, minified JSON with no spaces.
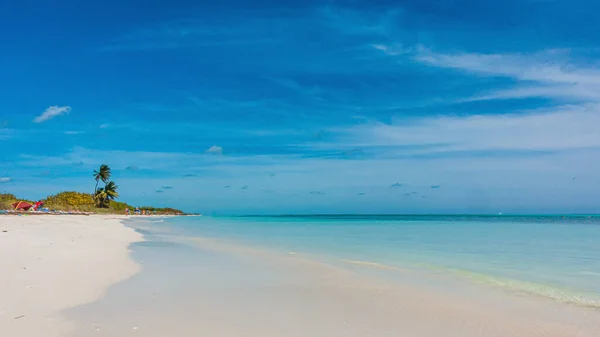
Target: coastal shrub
{"x":70,"y":200}
{"x":77,"y":201}
{"x":162,"y":210}
{"x":7,"y":199}
{"x":120,"y":207}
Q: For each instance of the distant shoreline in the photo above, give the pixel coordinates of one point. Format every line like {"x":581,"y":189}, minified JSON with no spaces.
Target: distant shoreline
{"x":17,"y":213}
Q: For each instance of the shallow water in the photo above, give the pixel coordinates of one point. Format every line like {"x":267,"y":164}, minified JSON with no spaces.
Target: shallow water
{"x":236,"y":277}
{"x":551,"y":256}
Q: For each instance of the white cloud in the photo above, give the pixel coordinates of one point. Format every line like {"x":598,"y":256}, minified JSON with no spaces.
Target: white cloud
{"x":215,"y":149}
{"x":52,"y":112}
{"x":566,"y":128}
{"x":550,"y":66}
{"x":73,"y":132}
{"x":393,"y":50}
{"x":104,"y":126}
{"x":5,"y":179}
{"x":553,"y":91}
{"x":549,"y":73}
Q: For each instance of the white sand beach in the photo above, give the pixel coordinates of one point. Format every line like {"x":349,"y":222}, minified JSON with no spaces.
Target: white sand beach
{"x":51,"y":263}
{"x":56,"y":270}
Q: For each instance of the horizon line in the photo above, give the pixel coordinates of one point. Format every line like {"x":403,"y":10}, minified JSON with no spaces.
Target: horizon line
{"x":416,"y":214}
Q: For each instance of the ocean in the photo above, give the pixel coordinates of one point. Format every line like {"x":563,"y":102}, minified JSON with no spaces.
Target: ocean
{"x":556,"y":257}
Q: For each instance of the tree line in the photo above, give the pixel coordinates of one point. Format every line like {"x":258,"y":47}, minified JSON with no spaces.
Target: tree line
{"x":103,"y":199}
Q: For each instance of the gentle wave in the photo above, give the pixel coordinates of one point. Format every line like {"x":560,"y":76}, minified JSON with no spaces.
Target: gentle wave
{"x":553,"y":257}
{"x":531,"y":288}
{"x":376,"y":265}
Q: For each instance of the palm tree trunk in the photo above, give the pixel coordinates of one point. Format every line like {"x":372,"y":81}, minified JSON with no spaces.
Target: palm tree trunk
{"x":95,"y":188}
{"x":104,"y":199}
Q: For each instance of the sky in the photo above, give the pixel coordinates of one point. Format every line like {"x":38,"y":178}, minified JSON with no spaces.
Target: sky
{"x":262,"y":107}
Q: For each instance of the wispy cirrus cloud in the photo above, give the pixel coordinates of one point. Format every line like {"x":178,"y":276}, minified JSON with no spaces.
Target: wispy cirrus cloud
{"x":199,"y":32}
{"x":548,"y":73}
{"x":549,"y":66}
{"x":566,"y":128}
{"x":392,"y":50}
{"x":52,"y":112}
{"x":5,"y":179}
{"x":239,"y":29}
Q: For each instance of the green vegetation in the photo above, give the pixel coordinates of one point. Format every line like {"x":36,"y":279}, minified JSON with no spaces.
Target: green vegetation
{"x":103,"y":174}
{"x":163,"y":210}
{"x":103,"y":200}
{"x":119,"y":207}
{"x":82,"y":202}
{"x":7,"y":199}
{"x":104,"y":195}
{"x":70,"y":201}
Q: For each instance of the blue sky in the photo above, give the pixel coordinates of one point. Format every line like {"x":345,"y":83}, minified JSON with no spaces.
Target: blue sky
{"x":309,"y":107}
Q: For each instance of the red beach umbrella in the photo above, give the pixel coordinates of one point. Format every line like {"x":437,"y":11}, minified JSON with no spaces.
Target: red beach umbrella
{"x":22,"y":205}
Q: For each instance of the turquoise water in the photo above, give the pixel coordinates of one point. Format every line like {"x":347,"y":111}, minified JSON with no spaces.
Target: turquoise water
{"x":552,"y":256}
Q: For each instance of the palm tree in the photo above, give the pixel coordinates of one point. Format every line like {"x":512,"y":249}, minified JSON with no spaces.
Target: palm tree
{"x":105,"y":194}
{"x":102,"y":174}
{"x":111,"y":191}
{"x":99,"y":197}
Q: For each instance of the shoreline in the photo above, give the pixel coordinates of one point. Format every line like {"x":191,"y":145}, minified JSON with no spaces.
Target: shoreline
{"x":51,"y":264}
{"x":83,"y":285}
{"x":417,"y":273}
{"x":194,"y":286}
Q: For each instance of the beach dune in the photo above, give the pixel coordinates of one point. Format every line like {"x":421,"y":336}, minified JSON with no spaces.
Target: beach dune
{"x":51,"y":263}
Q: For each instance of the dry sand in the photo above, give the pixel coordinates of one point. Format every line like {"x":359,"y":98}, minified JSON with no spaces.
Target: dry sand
{"x":51,"y":263}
